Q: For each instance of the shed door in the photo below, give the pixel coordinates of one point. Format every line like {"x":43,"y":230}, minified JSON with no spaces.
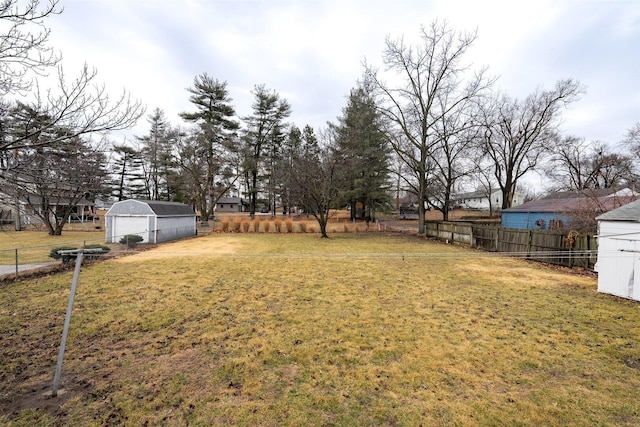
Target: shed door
{"x":131,"y":225}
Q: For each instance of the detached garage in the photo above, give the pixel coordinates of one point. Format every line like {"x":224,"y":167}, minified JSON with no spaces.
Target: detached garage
{"x":155,"y":221}
{"x":618,"y":263}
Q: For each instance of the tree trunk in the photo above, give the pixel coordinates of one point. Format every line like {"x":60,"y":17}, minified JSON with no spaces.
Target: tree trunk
{"x":17,"y":222}
{"x":323,"y":228}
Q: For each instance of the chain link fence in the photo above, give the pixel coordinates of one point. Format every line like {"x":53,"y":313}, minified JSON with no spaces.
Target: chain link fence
{"x":30,"y":258}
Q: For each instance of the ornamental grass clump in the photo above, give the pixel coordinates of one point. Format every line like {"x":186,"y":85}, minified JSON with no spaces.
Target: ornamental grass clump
{"x":256,"y":225}
{"x":289,"y":225}
{"x":224,"y":225}
{"x":277,"y":225}
{"x":303,"y":227}
{"x":236,"y":226}
{"x":245,"y":226}
{"x":267,"y":226}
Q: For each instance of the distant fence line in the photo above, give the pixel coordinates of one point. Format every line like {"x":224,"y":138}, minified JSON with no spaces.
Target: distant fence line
{"x":16,"y":260}
{"x":564,"y":248}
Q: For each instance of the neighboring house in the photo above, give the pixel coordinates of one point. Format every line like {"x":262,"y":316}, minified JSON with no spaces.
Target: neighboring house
{"x":30,"y":211}
{"x":232,"y":204}
{"x":480,"y":200}
{"x":566,"y":209}
{"x":155,"y":221}
{"x":618,"y":263}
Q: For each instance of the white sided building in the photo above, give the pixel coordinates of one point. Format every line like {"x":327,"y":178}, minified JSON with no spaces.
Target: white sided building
{"x":618,"y":263}
{"x":155,"y":221}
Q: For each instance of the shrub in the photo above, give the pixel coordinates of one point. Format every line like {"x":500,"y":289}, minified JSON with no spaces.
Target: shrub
{"x":236,"y":226}
{"x":131,"y":240}
{"x":256,"y":225}
{"x":289,"y":226}
{"x":267,"y":226}
{"x":303,"y":227}
{"x":55,"y":252}
{"x":277,"y":224}
{"x":245,"y":226}
{"x":225,"y":225}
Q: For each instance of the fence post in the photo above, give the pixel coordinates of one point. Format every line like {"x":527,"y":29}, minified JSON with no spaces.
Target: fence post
{"x":17,"y":262}
{"x":65,"y":328}
{"x":529,"y":242}
{"x":571,"y":256}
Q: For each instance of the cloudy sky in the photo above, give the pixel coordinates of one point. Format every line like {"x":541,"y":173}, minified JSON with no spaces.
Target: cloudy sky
{"x":311,"y":51}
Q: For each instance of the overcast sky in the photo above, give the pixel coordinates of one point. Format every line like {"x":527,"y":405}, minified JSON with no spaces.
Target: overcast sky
{"x":311,"y":51}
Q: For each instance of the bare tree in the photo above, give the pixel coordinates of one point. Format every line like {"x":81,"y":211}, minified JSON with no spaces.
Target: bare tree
{"x":453,"y":154}
{"x":578,"y":165}
{"x":431,"y":88}
{"x":80,"y":106}
{"x":518,"y":133}
{"x":24,"y":42}
{"x":317,"y":178}
{"x":55,"y":179}
{"x":72,"y":113}
{"x":632,"y":142}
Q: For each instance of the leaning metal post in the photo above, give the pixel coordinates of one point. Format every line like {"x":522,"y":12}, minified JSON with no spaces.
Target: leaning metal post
{"x":67,"y":319}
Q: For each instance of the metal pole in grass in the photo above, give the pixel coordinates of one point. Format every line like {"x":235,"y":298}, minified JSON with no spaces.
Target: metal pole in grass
{"x":67,"y":319}
{"x":17,"y":262}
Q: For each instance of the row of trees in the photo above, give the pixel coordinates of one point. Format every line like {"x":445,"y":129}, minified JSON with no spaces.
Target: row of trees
{"x":437,"y":128}
{"x":259,"y":156}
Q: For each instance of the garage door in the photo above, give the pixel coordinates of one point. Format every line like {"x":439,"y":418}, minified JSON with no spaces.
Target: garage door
{"x":131,"y":225}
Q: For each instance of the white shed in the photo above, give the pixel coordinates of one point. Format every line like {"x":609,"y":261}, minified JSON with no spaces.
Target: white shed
{"x":618,"y":263}
{"x":156,"y":221}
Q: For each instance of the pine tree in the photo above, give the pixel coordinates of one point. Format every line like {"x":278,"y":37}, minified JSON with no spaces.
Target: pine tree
{"x":206,"y":155}
{"x":126,"y":168}
{"x":264,"y":136}
{"x":157,"y":156}
{"x":365,"y":152}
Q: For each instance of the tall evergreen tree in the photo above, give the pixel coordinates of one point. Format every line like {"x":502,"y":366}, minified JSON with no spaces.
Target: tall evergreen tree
{"x":365,"y":152}
{"x":290,"y":148}
{"x":127,"y":172}
{"x":214,"y":142}
{"x":265,"y":133}
{"x":156,"y":150}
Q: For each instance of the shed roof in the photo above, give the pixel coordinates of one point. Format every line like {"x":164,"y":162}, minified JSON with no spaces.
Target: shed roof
{"x":574,"y":204}
{"x":158,"y":207}
{"x":169,"y":208}
{"x":628,"y":212}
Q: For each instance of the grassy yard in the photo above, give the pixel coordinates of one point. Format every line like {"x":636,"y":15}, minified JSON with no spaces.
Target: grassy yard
{"x":35,"y":246}
{"x":360,"y":329}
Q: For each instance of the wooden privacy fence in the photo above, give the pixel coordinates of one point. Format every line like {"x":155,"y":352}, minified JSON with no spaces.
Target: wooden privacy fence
{"x":564,"y":248}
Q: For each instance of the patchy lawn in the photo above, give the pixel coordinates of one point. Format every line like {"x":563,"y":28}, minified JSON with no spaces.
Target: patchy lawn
{"x":359,"y":329}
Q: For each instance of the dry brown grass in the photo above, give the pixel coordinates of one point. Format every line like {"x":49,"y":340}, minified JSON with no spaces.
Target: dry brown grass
{"x":291,"y":329}
{"x":339,"y":223}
